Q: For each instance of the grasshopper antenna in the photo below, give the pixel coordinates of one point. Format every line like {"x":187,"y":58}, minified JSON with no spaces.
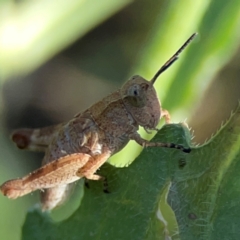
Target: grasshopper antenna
{"x":172,"y":59}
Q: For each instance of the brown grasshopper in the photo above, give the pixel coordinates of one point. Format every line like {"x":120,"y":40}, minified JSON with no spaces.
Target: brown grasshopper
{"x":78,"y":148}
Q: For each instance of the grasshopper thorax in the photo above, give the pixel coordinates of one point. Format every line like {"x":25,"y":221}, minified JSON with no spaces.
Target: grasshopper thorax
{"x":141,"y":101}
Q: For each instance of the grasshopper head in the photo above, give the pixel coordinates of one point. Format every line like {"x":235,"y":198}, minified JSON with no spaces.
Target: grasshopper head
{"x":141,"y":101}
{"x":140,"y":97}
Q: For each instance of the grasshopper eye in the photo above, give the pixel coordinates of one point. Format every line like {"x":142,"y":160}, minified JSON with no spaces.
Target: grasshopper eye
{"x":135,"y":90}
{"x":135,"y":96}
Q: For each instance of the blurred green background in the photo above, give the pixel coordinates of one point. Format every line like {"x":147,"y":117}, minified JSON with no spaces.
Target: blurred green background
{"x":59,"y":57}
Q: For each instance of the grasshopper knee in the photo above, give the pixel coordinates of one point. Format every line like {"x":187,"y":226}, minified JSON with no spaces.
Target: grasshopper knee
{"x":21,"y":138}
{"x":13,"y":189}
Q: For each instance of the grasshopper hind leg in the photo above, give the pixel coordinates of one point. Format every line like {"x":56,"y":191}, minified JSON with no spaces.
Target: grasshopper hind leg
{"x":34,"y":139}
{"x":94,"y":163}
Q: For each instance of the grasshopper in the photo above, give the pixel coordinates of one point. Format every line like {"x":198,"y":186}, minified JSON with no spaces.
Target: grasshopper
{"x":78,"y":148}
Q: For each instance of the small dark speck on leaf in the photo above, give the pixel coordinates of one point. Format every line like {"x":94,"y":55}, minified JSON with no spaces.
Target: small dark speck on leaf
{"x":192,"y":216}
{"x":182,"y":163}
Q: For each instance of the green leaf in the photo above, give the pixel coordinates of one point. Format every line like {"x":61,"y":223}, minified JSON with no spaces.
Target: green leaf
{"x":202,"y":188}
{"x":205,"y":194}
